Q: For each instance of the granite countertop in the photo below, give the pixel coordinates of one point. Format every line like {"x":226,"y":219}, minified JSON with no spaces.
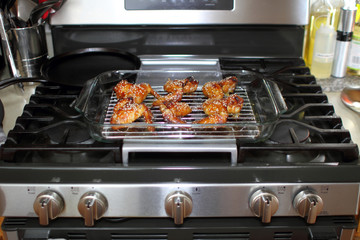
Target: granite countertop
{"x":337,"y":84}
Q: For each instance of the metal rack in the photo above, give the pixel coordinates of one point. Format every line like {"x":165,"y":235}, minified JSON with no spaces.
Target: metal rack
{"x":242,"y":126}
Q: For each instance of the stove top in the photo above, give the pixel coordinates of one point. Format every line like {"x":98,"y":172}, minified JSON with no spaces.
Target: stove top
{"x":51,"y":132}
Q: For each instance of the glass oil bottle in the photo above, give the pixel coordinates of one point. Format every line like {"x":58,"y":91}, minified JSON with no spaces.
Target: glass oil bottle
{"x":320,"y":13}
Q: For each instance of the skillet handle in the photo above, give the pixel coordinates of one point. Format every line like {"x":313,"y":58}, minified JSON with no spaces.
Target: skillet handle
{"x":10,"y":81}
{"x":277,"y":97}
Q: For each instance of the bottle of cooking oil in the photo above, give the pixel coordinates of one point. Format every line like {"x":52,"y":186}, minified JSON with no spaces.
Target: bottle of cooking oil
{"x":353,"y":67}
{"x":323,"y":53}
{"x":321,"y":12}
{"x":337,"y":5}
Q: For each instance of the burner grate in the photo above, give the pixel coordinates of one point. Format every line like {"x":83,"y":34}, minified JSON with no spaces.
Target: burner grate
{"x":246,"y":121}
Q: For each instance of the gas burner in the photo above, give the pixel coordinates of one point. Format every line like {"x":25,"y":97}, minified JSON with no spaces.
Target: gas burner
{"x":290,"y":132}
{"x":69,"y":132}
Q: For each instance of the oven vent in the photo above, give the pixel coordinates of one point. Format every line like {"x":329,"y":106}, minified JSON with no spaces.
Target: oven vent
{"x":10,"y":222}
{"x":283,"y":235}
{"x":343,"y":220}
{"x":221,"y":236}
{"x":76,"y":236}
{"x":151,"y":236}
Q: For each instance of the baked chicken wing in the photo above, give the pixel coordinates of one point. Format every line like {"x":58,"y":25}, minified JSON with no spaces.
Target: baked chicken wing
{"x":187,"y":85}
{"x":138,"y":92}
{"x":228,"y":84}
{"x":213,"y":119}
{"x":172,"y":111}
{"x":218,"y":89}
{"x":171,"y":97}
{"x":219,"y":109}
{"x":213,"y":90}
{"x":127,"y":111}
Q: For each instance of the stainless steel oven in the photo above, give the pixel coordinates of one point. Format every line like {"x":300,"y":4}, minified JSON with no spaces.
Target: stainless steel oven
{"x":285,"y":169}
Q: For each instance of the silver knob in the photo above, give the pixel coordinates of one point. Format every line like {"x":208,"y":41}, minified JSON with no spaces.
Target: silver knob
{"x":92,"y":206}
{"x":48,"y":205}
{"x":178,"y":205}
{"x":264,"y":204}
{"x":308,"y":205}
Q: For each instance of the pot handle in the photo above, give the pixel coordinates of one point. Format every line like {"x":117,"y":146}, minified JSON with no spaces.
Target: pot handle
{"x":277,"y":97}
{"x":81,"y":102}
{"x":11,"y":81}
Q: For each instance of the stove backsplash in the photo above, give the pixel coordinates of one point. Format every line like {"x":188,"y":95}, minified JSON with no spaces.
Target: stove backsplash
{"x":243,"y":41}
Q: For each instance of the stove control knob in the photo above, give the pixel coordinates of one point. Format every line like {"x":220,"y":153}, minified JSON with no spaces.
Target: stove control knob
{"x":178,"y":205}
{"x":48,"y":205}
{"x":92,"y":206}
{"x":308,"y":205}
{"x":264,"y":204}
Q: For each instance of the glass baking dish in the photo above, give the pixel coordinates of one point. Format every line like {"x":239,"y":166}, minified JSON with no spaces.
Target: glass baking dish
{"x":263,"y":104}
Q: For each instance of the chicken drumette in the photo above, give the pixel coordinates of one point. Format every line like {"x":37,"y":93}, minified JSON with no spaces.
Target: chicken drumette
{"x":217,"y":89}
{"x":171,"y":97}
{"x":219,"y":109}
{"x":172,"y":111}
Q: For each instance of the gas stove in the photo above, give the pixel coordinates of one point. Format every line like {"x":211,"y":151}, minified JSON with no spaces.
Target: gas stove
{"x":300,"y":162}
{"x":60,"y":180}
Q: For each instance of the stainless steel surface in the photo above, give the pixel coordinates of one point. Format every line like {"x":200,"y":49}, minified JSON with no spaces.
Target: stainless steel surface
{"x":147,"y":199}
{"x":22,"y":8}
{"x":28,"y":46}
{"x":309,"y":205}
{"x":342,"y":48}
{"x":6,"y":45}
{"x":190,"y":146}
{"x":347,"y":19}
{"x":350,"y":96}
{"x":347,"y":234}
{"x":48,"y":205}
{"x":92,"y":206}
{"x":264,"y":204}
{"x":90,"y":12}
{"x":2,"y":113}
{"x":12,"y":235}
{"x":178,"y":205}
{"x":340,"y":59}
{"x":2,"y":136}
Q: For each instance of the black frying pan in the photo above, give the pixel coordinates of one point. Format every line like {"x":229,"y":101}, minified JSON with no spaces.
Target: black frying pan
{"x":76,"y":67}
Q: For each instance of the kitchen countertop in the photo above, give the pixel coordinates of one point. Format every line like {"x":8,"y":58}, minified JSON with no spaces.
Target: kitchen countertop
{"x":14,"y":101}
